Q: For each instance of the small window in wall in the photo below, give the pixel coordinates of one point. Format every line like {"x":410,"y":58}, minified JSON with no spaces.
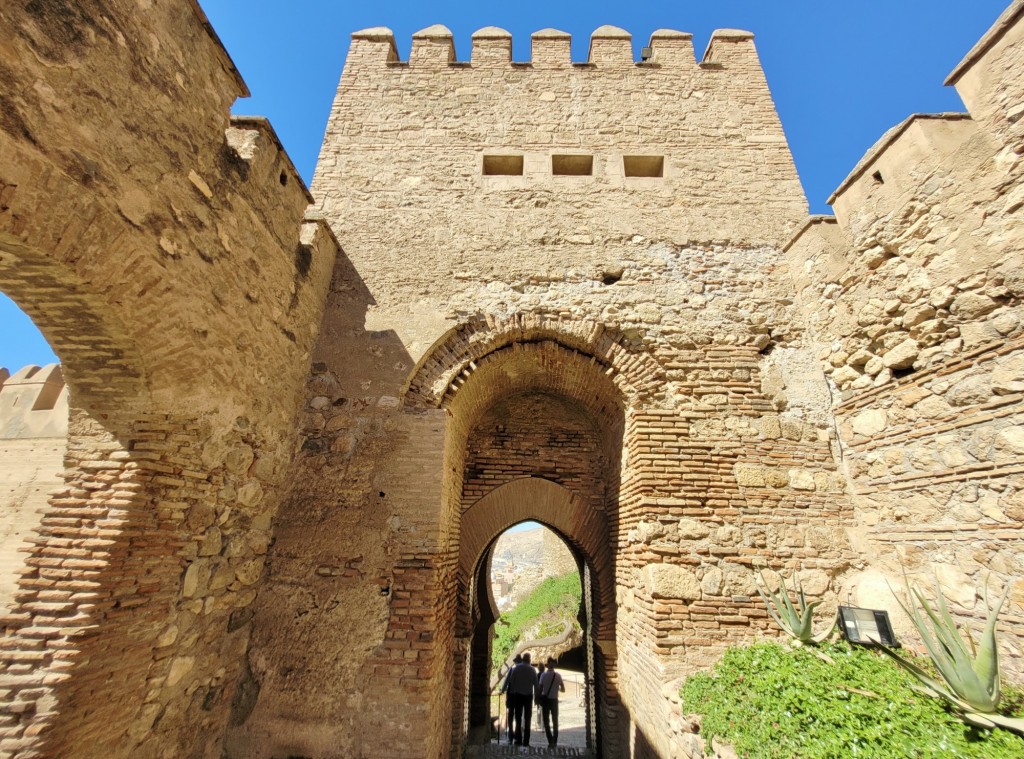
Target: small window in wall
{"x":572,"y":165}
{"x":503,"y":165}
{"x":644,"y":165}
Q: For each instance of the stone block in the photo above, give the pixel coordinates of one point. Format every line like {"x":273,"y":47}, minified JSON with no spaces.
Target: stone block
{"x":1011,"y":439}
{"x":956,"y":585}
{"x":869,"y":422}
{"x":749,"y":475}
{"x":903,"y":355}
{"x":801,"y":479}
{"x":671,"y":582}
{"x":692,"y":529}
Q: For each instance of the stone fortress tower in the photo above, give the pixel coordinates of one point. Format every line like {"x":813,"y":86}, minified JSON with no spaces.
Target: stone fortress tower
{"x":586,"y":294}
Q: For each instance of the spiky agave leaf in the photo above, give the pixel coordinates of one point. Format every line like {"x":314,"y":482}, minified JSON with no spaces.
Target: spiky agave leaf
{"x":946,"y":649}
{"x":971,"y":676}
{"x":986,"y":664}
{"x":797,"y":624}
{"x":781,"y":610}
{"x":1013,"y":724}
{"x":807,"y":621}
{"x":951,"y":656}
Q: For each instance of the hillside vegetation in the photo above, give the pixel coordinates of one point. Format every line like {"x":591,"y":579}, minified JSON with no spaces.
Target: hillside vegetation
{"x":548,"y":610}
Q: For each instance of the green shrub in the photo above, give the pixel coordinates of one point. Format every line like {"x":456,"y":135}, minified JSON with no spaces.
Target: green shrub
{"x":553,"y":604}
{"x":770,"y":701}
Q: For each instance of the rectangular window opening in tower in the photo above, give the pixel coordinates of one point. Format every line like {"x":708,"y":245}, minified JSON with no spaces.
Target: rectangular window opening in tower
{"x":572,"y":165}
{"x":643,"y":165}
{"x":503,"y":165}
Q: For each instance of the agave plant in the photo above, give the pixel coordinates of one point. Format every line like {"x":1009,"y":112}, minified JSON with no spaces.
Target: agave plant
{"x":797,"y":624}
{"x":971,"y":674}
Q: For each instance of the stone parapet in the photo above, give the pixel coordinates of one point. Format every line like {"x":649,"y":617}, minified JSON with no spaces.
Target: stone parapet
{"x":990,"y":78}
{"x":610,"y":48}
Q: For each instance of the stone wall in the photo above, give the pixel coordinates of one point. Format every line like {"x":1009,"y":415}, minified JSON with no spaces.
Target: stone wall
{"x":160,"y":247}
{"x":913,"y":293}
{"x":33,"y":438}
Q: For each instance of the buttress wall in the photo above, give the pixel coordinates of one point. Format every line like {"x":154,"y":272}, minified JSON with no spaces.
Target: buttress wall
{"x":914,"y":293}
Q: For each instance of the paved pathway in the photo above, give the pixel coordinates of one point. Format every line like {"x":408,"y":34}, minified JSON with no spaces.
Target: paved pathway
{"x":572,"y":730}
{"x":494,"y":750}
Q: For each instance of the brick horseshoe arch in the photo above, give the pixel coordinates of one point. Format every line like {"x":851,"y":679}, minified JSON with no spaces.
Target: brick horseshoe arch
{"x":457,"y":354}
{"x":539,"y":500}
{"x":100,"y":362}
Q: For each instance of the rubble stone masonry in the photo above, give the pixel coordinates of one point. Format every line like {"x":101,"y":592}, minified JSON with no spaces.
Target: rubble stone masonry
{"x":582,"y":293}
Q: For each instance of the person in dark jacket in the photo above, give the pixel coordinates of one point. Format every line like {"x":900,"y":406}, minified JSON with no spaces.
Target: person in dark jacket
{"x":522,"y":683}
{"x":509,"y":699}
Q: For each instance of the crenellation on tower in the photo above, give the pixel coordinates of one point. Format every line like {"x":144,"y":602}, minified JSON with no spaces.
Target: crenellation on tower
{"x":731,"y":48}
{"x":610,"y":47}
{"x":432,"y":48}
{"x":492,"y":46}
{"x":672,"y":48}
{"x":372,"y":47}
{"x":551,"y":48}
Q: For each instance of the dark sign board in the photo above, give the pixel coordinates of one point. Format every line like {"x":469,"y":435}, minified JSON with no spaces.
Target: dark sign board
{"x":866,"y":626}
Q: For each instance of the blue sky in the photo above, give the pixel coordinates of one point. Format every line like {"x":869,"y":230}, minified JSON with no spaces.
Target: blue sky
{"x":841,"y":72}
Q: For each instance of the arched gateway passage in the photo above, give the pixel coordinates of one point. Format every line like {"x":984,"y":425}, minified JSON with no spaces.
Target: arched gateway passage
{"x":536,"y":418}
{"x":584,"y":530}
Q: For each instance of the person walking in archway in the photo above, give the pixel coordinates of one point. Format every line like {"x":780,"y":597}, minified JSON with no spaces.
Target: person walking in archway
{"x":522,"y":682}
{"x":550,"y":686}
{"x":536,"y":694}
{"x":510,"y":701}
